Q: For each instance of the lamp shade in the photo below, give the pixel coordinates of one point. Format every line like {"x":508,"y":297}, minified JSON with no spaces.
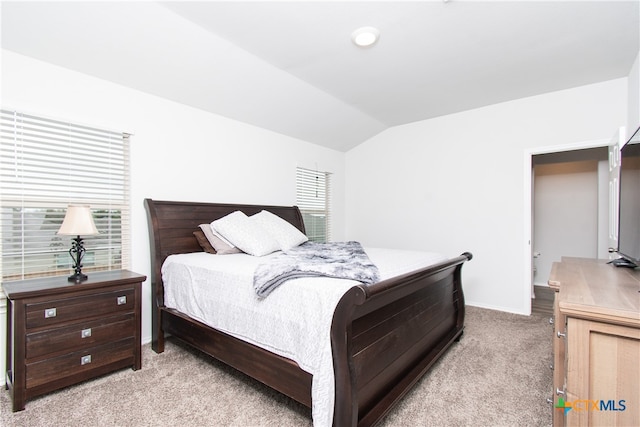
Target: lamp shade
{"x":78,"y":221}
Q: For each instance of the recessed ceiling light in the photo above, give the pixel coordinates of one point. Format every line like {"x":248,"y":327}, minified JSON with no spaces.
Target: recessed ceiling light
{"x":365,"y":36}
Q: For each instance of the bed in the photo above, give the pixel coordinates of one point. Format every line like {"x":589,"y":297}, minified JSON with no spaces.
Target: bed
{"x":383,"y":337}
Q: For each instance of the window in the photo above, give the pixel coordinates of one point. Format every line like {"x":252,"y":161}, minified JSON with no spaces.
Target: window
{"x":45,"y":165}
{"x":313,"y":195}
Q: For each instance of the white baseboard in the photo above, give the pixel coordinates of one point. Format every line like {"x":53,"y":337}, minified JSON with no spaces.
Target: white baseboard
{"x":496,"y":308}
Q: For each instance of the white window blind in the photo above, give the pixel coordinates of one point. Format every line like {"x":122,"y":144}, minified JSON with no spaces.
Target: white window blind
{"x":313,"y":196}
{"x":45,"y":165}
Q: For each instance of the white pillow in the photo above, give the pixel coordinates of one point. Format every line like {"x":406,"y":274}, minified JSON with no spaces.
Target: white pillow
{"x":245,"y":234}
{"x":285,"y":233}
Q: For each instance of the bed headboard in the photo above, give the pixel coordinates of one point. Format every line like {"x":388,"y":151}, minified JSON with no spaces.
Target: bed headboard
{"x":171,"y":225}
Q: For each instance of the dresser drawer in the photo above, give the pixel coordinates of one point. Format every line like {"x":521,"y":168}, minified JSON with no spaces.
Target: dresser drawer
{"x":78,"y":362}
{"x":79,"y":335}
{"x":56,"y":311}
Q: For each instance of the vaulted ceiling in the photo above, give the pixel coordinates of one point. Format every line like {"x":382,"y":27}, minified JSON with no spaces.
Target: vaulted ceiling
{"x":291,"y":67}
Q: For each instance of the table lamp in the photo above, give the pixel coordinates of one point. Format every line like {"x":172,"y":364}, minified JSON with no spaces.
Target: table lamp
{"x":78,"y":221}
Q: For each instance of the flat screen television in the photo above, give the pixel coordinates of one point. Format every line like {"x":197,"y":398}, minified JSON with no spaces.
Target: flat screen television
{"x":629,"y":207}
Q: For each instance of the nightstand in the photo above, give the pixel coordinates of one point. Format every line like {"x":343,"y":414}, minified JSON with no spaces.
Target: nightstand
{"x":60,"y":333}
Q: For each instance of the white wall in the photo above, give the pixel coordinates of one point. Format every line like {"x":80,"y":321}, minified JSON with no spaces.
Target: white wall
{"x":177,"y":152}
{"x":456,"y":183}
{"x":633,"y":100}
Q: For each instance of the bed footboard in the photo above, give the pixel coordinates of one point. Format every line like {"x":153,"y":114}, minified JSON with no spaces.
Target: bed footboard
{"x":386,"y":336}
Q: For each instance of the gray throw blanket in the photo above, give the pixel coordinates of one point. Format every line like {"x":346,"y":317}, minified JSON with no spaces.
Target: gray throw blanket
{"x":342,"y":260}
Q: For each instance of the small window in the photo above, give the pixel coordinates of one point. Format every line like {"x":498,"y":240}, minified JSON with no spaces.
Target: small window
{"x":46,"y":165}
{"x":312,"y":198}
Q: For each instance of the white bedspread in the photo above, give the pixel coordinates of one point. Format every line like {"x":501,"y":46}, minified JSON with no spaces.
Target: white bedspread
{"x":294,"y":321}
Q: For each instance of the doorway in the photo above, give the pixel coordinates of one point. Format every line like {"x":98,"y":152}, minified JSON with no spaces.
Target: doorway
{"x":585,"y":151}
{"x":570,"y":207}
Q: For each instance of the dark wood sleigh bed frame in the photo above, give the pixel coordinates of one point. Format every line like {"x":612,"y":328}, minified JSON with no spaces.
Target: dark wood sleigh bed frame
{"x":384,"y":336}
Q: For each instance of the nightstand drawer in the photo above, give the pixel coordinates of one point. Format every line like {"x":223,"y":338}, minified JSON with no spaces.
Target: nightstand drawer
{"x":78,"y":362}
{"x":58,"y":311}
{"x":80,"y":335}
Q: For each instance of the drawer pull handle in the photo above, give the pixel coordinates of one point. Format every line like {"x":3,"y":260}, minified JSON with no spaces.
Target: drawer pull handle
{"x":559,"y":392}
{"x":561,"y":335}
{"x":50,"y":312}
{"x":84,"y":360}
{"x":549,"y":401}
{"x":122,"y":300}
{"x":86,"y":333}
{"x":551,"y":320}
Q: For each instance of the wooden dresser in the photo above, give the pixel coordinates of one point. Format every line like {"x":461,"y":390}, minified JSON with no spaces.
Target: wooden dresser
{"x":60,"y":333}
{"x":596,"y":343}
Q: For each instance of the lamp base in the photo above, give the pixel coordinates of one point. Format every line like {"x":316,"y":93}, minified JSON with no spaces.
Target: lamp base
{"x":76,"y":252}
{"x":77,"y":278}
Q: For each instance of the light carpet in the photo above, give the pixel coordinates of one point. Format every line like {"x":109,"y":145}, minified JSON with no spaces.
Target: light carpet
{"x":497,"y":375}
